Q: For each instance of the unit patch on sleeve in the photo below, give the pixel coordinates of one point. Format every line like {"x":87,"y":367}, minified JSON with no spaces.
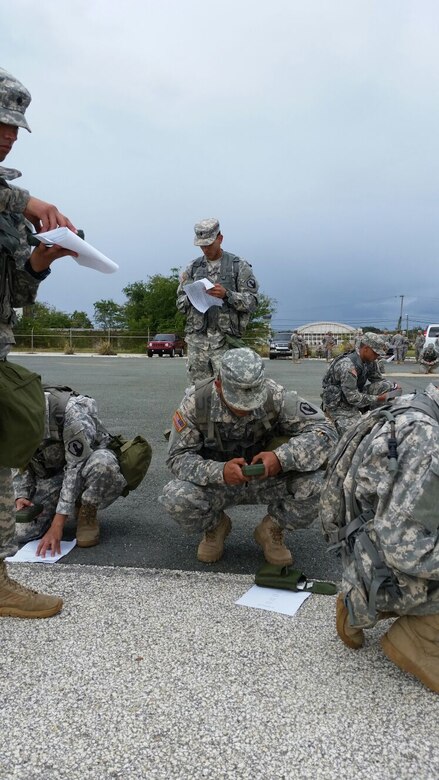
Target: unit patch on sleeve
{"x":179,"y":422}
{"x":306,"y":409}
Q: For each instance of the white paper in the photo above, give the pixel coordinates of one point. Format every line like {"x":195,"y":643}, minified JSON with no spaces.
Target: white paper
{"x":287,"y":602}
{"x":87,"y":254}
{"x":196,"y":292}
{"x":28,"y":553}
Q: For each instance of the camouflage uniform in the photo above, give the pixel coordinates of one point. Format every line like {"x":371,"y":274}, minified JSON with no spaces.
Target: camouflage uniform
{"x":405,"y":524}
{"x":206,"y":334}
{"x":196,"y":498}
{"x":69,"y":470}
{"x":20,"y":289}
{"x":295,"y":347}
{"x":419,"y":343}
{"x":398,"y":341}
{"x":328,"y":345}
{"x":350,"y":387}
{"x":429,"y":359}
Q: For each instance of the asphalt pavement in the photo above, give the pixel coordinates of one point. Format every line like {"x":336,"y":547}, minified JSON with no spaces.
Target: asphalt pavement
{"x":152,"y":671}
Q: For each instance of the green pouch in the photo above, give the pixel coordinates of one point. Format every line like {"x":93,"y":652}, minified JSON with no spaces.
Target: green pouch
{"x":28,"y":513}
{"x":271,"y":576}
{"x":134,"y":456}
{"x":234,"y":342}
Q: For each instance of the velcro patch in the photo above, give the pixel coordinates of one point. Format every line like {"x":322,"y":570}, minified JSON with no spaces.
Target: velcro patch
{"x":251,"y":283}
{"x":306,"y":409}
{"x":179,"y":422}
{"x":76,"y":448}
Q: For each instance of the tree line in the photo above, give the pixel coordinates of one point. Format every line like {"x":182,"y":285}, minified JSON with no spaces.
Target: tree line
{"x":149,"y":308}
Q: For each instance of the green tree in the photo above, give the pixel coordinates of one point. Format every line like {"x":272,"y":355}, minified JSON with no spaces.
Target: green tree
{"x":109,"y":314}
{"x":80,"y":319}
{"x":151,"y":304}
{"x":259,"y":327}
{"x":42,"y":317}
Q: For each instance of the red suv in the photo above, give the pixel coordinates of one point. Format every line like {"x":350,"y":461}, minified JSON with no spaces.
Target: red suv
{"x":166,"y":344}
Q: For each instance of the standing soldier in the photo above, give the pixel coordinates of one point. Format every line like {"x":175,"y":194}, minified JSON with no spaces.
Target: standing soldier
{"x":398,"y":341}
{"x":295,"y":347}
{"x":419,"y":343}
{"x":21,"y":274}
{"x":328,"y":344}
{"x":209,"y":335}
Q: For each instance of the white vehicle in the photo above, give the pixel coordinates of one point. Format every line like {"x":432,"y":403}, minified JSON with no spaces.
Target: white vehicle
{"x":431,"y":334}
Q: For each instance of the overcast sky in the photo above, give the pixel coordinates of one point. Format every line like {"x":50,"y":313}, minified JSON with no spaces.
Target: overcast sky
{"x":310,"y":128}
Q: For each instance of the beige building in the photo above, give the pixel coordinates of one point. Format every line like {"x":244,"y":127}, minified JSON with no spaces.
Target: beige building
{"x":314,"y":332}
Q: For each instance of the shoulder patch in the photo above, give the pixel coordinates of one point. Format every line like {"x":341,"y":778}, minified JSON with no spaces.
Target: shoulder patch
{"x":251,"y":282}
{"x":179,"y":422}
{"x":76,"y":448}
{"x":307,"y":410}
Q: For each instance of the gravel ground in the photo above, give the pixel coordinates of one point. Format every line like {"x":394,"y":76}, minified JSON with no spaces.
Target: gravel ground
{"x":158,"y":674}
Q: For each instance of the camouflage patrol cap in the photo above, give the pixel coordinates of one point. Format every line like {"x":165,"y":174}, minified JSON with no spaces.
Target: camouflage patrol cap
{"x":374,"y":341}
{"x":242,"y":379}
{"x":206,"y":231}
{"x":14,"y":100}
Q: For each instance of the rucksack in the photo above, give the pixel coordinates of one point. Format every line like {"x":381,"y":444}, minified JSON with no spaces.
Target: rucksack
{"x":22,"y":415}
{"x":336,"y":507}
{"x":134,"y":457}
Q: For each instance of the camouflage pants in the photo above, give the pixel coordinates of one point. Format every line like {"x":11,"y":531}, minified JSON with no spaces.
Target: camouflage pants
{"x":101,"y":483}
{"x":203,"y":360}
{"x":295,"y":353}
{"x":292,"y":499}
{"x":7,"y":516}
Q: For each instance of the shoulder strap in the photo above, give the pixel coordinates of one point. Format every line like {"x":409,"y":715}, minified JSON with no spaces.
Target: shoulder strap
{"x":59,"y":398}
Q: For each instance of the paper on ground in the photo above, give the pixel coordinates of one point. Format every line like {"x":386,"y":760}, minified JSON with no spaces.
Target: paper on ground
{"x":287,"y":602}
{"x":87,"y":254}
{"x":27,"y":554}
{"x":196,"y":292}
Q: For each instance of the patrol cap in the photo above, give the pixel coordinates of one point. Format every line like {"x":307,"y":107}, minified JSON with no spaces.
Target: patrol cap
{"x":206,"y":231}
{"x":242,"y":379}
{"x":374,"y":341}
{"x":14,"y":100}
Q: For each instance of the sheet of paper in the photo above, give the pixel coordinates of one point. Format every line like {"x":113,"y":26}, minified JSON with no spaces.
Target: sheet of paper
{"x":87,"y":254}
{"x":287,"y":602}
{"x":27,"y":554}
{"x":196,"y":292}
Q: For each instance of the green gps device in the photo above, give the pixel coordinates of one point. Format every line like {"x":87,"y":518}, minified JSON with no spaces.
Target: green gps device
{"x":256,"y":470}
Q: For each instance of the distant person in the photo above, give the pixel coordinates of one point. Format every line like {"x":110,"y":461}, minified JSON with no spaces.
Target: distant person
{"x":210,"y":335}
{"x":398,"y":341}
{"x":303,"y":347}
{"x":240,"y":418}
{"x":354,"y":383}
{"x":429,"y":359}
{"x":379,"y":509}
{"x":329,"y":343}
{"x":419,"y":344}
{"x":295,"y":346}
{"x":22,"y":272}
{"x":405,"y":346}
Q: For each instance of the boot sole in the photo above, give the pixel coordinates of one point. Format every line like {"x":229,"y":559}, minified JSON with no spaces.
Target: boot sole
{"x":269,"y":558}
{"x":21,"y":613}
{"x":404,"y":663}
{"x":87,"y":543}
{"x":210,"y":559}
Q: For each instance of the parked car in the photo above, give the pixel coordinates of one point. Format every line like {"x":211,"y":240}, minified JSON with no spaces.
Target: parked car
{"x":431,"y":334}
{"x":280,"y":344}
{"x":166,"y":344}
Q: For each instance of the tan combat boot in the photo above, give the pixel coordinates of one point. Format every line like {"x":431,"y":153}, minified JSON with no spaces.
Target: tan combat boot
{"x":18,"y":601}
{"x":211,"y":547}
{"x":270,"y":536}
{"x":87,"y":530}
{"x":351,"y":636}
{"x":412,"y":643}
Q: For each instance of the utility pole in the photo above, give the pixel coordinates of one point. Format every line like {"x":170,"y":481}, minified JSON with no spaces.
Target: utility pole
{"x":398,"y":325}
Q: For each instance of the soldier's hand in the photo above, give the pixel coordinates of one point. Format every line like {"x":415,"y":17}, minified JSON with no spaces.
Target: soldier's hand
{"x":20,"y":503}
{"x":52,"y":538}
{"x":45,"y":216}
{"x":271,"y":463}
{"x":217,"y":291}
{"x":43,"y":256}
{"x":233,"y":472}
